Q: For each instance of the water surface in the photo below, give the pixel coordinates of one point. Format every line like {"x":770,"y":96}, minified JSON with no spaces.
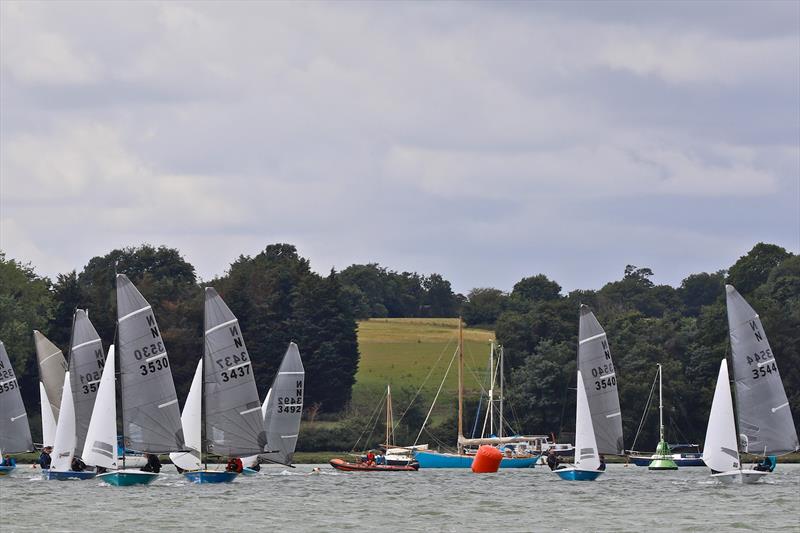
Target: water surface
{"x":623,"y":499}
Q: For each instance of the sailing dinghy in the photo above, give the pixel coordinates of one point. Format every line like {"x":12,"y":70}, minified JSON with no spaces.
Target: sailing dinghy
{"x":15,"y":432}
{"x":765,"y":420}
{"x":230,"y":408}
{"x":587,"y":459}
{"x":52,"y":367}
{"x":766,"y":426}
{"x":281,"y":411}
{"x":81,"y":380}
{"x":150,"y":416}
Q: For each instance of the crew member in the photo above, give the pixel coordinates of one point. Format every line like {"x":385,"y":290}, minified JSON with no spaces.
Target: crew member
{"x":552,"y":459}
{"x":44,"y":458}
{"x":153,"y":463}
{"x":234,"y":465}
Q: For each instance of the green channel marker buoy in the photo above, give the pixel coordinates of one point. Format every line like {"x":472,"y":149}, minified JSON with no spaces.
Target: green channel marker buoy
{"x":663,"y":456}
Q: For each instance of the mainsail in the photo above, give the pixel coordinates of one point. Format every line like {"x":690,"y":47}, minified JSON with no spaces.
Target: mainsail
{"x":151,"y":418}
{"x":586,"y":454}
{"x":86,"y":361}
{"x":720,"y":453}
{"x":15,"y":432}
{"x":232,"y":411}
{"x":765,"y":419}
{"x":51,"y":371}
{"x":594,"y":362}
{"x":285,"y":407}
{"x":100,"y":448}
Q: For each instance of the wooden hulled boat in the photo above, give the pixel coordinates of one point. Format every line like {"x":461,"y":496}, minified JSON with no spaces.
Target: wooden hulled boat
{"x":341,"y":464}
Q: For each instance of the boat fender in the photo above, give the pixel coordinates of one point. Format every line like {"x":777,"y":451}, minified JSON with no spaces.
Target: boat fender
{"x":487,"y":460}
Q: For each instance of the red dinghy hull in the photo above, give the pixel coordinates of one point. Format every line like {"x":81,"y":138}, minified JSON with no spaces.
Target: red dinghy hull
{"x":340,"y":464}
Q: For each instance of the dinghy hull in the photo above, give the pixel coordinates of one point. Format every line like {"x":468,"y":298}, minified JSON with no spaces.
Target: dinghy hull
{"x":126,"y":478}
{"x":6,"y":470}
{"x":430,"y":459}
{"x":727,"y":478}
{"x":573,"y":474}
{"x":67,"y":475}
{"x":249,"y":472}
{"x":752,"y":476}
{"x":340,"y":464}
{"x":210,"y":476}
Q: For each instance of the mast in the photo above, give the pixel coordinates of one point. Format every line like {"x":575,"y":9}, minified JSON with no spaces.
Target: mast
{"x":203,"y":403}
{"x":389,"y":418}
{"x":460,"y":386}
{"x":660,"y":407}
{"x":491,"y":387}
{"x":500,"y":362}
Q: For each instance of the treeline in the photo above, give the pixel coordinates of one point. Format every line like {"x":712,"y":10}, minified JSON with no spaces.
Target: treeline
{"x":376,"y":292}
{"x":275,"y":295}
{"x":684,"y":328}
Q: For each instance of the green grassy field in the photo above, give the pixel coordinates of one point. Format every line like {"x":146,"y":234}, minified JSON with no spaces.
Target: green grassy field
{"x":404,"y":351}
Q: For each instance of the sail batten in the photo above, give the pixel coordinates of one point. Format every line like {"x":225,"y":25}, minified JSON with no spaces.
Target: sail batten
{"x":150,"y":414}
{"x":766,"y":426}
{"x":600,"y":381}
{"x":234,"y":425}
{"x":15,"y":431}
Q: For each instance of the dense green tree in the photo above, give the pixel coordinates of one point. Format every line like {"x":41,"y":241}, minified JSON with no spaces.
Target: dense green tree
{"x":26,"y":303}
{"x":702,"y":289}
{"x":752,"y":269}
{"x":483,"y":306}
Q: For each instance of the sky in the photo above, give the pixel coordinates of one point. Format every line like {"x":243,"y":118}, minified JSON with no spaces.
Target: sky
{"x":483,"y":141}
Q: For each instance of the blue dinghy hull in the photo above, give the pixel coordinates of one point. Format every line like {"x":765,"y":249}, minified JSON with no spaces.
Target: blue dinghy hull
{"x":428,"y":459}
{"x":210,"y":476}
{"x":572,"y":474}
{"x":6,"y":470}
{"x":126,"y":478}
{"x":249,"y":472}
{"x":68,"y":475}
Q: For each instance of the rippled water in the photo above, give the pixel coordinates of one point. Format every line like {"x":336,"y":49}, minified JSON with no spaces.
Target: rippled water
{"x":623,"y":499}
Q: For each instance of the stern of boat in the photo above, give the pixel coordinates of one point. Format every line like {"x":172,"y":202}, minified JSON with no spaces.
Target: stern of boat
{"x":210,"y":476}
{"x":126,"y":478}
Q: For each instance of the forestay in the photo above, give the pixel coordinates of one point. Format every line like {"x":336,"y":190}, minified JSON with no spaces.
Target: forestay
{"x":150,"y":414}
{"x":720,"y":453}
{"x":586,"y":454}
{"x":600,"y":378}
{"x":766,"y":426}
{"x":85,"y":370}
{"x":15,"y":432}
{"x":285,"y":407}
{"x":64,"y":447}
{"x":233,"y":420}
{"x":100,"y":448}
{"x":52,"y":367}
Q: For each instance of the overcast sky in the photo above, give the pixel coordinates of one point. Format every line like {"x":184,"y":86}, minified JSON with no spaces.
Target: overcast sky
{"x":483,"y":141}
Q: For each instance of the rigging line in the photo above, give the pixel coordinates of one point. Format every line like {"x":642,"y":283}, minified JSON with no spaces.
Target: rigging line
{"x":424,"y":382}
{"x":374,"y":413}
{"x":436,"y":397}
{"x":644,"y":414}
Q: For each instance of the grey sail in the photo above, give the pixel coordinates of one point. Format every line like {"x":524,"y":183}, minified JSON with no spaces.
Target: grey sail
{"x":86,"y":360}
{"x":285,"y":407}
{"x":52,"y":367}
{"x":15,"y":431}
{"x":766,"y":426}
{"x":600,"y":383}
{"x":234,"y":424}
{"x":151,"y":418}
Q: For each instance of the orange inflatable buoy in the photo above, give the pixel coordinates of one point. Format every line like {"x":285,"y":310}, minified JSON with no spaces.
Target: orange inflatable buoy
{"x":487,"y":460}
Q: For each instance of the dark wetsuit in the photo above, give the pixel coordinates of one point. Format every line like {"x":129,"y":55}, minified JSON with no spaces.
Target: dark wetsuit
{"x":153,"y":464}
{"x":552,"y":461}
{"x":44,"y":460}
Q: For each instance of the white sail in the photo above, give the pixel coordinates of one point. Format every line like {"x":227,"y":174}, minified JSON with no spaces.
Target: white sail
{"x":100,"y":447}
{"x":265,"y":406}
{"x":48,"y":418}
{"x":586,"y":456}
{"x":721,"y":453}
{"x":64,"y":447}
{"x":190,"y":420}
